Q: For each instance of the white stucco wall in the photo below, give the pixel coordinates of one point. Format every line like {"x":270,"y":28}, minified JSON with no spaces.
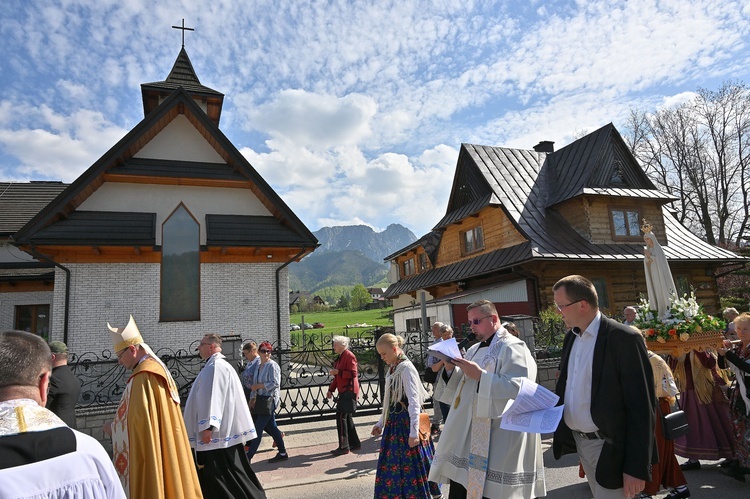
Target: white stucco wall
{"x":164,"y":199}
{"x":237,"y":298}
{"x":180,"y":140}
{"x":9,"y":301}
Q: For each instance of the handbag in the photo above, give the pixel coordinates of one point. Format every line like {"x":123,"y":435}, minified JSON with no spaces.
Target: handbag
{"x":263,"y":405}
{"x":675,"y":425}
{"x":347,"y":403}
{"x":429,"y":375}
{"x":424,"y":426}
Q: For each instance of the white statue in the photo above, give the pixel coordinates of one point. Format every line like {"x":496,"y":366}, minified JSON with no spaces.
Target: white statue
{"x":659,"y":282}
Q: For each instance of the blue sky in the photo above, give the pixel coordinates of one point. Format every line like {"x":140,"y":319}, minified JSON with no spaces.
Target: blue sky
{"x":354,"y":111}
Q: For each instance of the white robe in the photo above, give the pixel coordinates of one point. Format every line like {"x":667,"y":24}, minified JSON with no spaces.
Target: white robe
{"x":216,"y":399}
{"x":516,"y":467}
{"x":87,"y":473}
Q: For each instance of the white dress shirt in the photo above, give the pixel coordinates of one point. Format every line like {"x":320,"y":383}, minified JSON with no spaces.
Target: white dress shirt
{"x":577,"y":409}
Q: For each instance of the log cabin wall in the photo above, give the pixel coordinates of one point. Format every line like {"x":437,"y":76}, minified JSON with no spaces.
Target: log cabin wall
{"x":577,"y":213}
{"x":625,"y":282}
{"x":497,"y":229}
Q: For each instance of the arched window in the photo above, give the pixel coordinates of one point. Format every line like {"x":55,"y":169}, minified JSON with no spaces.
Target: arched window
{"x":180,"y":267}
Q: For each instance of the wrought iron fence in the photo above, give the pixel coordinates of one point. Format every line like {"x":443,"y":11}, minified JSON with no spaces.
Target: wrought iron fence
{"x":304,"y":372}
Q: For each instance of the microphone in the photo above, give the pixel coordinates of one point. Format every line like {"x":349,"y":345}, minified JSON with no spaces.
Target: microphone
{"x":468,"y":339}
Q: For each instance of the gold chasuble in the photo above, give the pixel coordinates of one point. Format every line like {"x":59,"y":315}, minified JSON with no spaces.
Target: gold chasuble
{"x":150,"y":445}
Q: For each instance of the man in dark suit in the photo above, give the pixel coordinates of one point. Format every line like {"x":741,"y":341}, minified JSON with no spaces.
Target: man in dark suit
{"x":64,"y":387}
{"x":606,"y":384}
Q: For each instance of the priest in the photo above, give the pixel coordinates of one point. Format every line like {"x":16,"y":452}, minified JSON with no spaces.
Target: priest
{"x":218,"y":424}
{"x":150,"y":446}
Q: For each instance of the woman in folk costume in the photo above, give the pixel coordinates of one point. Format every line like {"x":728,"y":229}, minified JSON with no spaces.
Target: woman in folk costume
{"x":706,"y":408}
{"x":404,"y":460}
{"x":667,"y":471}
{"x":150,"y":447}
{"x":738,"y":356}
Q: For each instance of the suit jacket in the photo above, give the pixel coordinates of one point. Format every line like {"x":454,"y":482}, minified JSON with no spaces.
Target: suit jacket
{"x":622,"y":404}
{"x":64,"y":390}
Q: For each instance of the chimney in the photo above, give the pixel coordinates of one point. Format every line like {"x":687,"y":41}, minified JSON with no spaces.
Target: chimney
{"x":545,"y":146}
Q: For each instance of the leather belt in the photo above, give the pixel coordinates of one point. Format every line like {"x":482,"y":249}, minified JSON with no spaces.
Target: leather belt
{"x":594,"y":435}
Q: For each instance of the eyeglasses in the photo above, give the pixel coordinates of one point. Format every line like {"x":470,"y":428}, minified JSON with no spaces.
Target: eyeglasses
{"x":204,"y":344}
{"x":477,"y":321}
{"x":264,"y":351}
{"x":561,"y":307}
{"x":119,"y":355}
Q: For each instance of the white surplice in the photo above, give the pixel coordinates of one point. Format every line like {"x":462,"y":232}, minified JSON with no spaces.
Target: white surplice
{"x":516,"y":467}
{"x":216,"y":399}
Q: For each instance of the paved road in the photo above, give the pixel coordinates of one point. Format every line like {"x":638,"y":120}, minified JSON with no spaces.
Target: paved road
{"x":313,"y":473}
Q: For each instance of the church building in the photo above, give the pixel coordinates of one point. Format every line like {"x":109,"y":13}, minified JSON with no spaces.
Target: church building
{"x":171,"y":225}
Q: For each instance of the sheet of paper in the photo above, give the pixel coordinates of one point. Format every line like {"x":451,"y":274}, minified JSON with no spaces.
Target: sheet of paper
{"x":533,"y":410}
{"x":446,"y":350}
{"x":544,"y":421}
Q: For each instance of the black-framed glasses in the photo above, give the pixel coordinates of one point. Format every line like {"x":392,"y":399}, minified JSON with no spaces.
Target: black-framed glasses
{"x":477,"y":321}
{"x":119,"y":355}
{"x":264,"y":351}
{"x":561,"y":307}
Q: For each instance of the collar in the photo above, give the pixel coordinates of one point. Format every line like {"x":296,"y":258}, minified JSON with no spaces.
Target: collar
{"x":592,"y":329}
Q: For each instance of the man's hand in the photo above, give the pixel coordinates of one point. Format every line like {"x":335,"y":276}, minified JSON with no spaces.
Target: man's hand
{"x":469,"y":368}
{"x":107,"y":428}
{"x":631,"y":485}
{"x":206,"y":436}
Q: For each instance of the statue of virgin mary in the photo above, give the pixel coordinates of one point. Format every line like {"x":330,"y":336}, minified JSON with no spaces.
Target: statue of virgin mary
{"x":659,"y":282}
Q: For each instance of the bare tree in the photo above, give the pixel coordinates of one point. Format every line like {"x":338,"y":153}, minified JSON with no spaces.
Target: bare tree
{"x":698,"y":151}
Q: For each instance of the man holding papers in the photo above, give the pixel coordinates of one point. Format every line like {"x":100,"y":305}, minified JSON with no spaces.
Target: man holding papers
{"x":607,"y":387}
{"x":475,"y":455}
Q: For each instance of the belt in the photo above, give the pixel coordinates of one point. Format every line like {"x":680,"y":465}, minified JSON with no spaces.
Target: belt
{"x":594,"y":435}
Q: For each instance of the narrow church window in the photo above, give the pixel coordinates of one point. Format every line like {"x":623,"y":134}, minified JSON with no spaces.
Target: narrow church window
{"x":180,"y":267}
{"x":33,"y":319}
{"x":625,"y":223}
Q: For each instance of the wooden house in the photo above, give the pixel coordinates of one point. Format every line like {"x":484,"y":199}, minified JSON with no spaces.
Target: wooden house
{"x":172,"y":225}
{"x":519,"y":220}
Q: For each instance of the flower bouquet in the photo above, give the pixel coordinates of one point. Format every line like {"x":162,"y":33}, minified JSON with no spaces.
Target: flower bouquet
{"x":683,"y":328}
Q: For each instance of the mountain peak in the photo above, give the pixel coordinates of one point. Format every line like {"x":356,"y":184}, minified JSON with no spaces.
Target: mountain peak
{"x":374,"y":245}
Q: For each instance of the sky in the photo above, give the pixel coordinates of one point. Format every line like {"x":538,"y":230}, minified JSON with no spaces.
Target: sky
{"x":354,"y":112}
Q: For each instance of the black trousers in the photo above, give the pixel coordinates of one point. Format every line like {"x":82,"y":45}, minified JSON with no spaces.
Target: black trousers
{"x":458,"y":491}
{"x":347,"y":431}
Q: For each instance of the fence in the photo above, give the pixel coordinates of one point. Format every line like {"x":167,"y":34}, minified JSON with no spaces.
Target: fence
{"x":304,"y":372}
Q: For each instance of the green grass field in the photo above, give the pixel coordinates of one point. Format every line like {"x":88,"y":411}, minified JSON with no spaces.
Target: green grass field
{"x":337,"y":321}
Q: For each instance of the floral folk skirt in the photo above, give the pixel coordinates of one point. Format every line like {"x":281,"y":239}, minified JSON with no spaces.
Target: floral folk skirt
{"x":402,"y":470}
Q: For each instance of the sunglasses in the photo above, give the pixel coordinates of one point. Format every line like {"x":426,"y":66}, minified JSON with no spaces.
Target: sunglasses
{"x":477,"y":321}
{"x":264,"y":351}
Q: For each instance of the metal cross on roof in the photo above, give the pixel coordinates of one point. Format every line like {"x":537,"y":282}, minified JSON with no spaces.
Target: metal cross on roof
{"x":184,"y":29}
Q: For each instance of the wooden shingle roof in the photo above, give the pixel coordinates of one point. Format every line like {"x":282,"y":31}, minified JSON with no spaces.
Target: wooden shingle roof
{"x":100,"y":228}
{"x":182,"y":75}
{"x":247,"y":230}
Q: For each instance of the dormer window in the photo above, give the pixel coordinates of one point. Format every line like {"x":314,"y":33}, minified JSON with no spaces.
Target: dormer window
{"x":472,"y":240}
{"x":408,"y":267}
{"x":625,"y":223}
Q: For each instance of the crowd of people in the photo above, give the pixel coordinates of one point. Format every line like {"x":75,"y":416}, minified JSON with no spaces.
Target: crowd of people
{"x":615,"y":394}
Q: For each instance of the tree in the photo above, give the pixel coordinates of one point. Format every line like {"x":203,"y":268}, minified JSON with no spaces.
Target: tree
{"x":360,"y":297}
{"x":699,"y":152}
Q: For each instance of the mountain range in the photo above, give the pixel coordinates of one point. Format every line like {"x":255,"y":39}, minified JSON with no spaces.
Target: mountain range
{"x":348,"y":255}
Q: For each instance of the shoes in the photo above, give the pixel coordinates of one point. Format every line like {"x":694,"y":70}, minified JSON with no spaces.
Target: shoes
{"x":690,"y":465}
{"x":279,"y":457}
{"x":642,"y":496}
{"x":728,"y":463}
{"x":274,"y":442}
{"x":677,"y":494}
{"x":339,"y":452}
{"x":355,"y":447}
{"x":435,"y":430}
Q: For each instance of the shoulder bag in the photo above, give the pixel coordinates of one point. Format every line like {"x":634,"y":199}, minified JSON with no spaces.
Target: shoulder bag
{"x":263,"y":405}
{"x":347,"y":402}
{"x":674,"y":424}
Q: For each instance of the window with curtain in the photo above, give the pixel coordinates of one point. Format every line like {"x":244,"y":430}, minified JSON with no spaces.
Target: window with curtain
{"x":180,"y":267}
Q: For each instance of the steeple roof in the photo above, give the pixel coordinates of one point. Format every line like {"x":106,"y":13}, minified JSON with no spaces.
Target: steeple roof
{"x":182,"y":75}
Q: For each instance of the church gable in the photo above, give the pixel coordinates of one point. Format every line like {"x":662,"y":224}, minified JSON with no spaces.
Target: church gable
{"x":179,"y":141}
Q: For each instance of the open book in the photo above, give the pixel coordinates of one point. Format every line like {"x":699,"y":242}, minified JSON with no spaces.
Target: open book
{"x":533,"y":410}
